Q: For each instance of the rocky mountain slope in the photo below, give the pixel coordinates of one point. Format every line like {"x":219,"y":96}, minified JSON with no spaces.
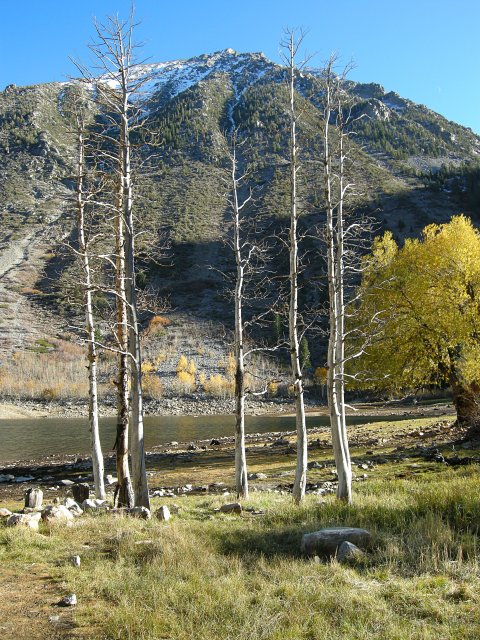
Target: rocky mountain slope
{"x":412,"y":167}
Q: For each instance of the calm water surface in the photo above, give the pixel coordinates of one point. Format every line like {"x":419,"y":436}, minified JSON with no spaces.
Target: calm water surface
{"x":23,"y":439}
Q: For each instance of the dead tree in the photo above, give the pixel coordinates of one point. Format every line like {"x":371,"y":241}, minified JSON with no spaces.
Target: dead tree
{"x":291,"y":47}
{"x":117,"y":86}
{"x":336,"y":187}
{"x":82,"y":197}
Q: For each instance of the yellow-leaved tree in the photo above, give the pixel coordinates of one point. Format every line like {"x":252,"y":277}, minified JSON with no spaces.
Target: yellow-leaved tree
{"x":426,"y":299}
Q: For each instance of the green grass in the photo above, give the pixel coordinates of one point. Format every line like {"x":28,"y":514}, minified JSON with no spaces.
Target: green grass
{"x":209,"y":576}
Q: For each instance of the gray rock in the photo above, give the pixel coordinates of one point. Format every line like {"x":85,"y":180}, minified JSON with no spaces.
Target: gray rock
{"x":80,"y":492}
{"x":57,"y":514}
{"x":7,"y":477}
{"x":94,"y":505}
{"x":257,"y":476}
{"x":33,"y":498}
{"x":67,"y":483}
{"x":314,"y":465}
{"x":5,"y":513}
{"x":75,"y":560}
{"x":234,"y":507}
{"x":163,"y":513}
{"x":326,"y":541}
{"x":68,"y":601}
{"x":139,"y":512}
{"x":29,"y":520}
{"x":73,"y":507}
{"x":348,"y":552}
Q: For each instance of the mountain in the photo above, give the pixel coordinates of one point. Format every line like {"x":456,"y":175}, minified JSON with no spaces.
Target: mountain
{"x":412,"y":167}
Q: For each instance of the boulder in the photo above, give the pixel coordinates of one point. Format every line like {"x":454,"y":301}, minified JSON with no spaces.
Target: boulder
{"x":94,"y":505}
{"x":80,"y":492}
{"x":73,"y":507}
{"x":163,"y":513}
{"x":29,"y":520}
{"x":139,"y":512}
{"x":325,"y":542}
{"x":57,"y":514}
{"x":33,"y":498}
{"x":233,"y":507}
{"x":348,"y":552}
{"x":257,"y":476}
{"x":68,"y":601}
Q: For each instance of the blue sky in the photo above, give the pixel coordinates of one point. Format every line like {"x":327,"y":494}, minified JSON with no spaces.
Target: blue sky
{"x":426,"y":50}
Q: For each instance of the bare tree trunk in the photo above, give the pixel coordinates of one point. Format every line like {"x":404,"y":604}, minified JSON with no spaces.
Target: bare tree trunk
{"x":139,"y":471}
{"x":301,"y":467}
{"x":241,"y":480}
{"x":125,"y":495}
{"x":97,"y":456}
{"x":335,"y":269}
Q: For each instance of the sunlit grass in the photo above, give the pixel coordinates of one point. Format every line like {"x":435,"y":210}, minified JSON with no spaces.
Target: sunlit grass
{"x":209,"y":576}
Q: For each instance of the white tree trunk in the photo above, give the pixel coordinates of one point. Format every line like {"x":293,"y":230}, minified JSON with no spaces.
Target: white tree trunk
{"x":125,"y":495}
{"x":300,"y":480}
{"x":336,"y":341}
{"x":241,"y":480}
{"x":97,"y":456}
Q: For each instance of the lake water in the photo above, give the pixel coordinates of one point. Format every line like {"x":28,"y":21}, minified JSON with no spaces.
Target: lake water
{"x":23,"y":439}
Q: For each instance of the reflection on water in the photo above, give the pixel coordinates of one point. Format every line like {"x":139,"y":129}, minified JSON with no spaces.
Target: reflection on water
{"x":23,"y":439}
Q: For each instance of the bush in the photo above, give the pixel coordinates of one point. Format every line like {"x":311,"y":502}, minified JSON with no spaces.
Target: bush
{"x":152,"y":387}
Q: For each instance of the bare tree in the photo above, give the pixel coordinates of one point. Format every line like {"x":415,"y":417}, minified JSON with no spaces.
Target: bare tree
{"x":241,"y":262}
{"x":83,"y":195}
{"x":117,"y":88}
{"x":291,"y":47}
{"x":336,"y":187}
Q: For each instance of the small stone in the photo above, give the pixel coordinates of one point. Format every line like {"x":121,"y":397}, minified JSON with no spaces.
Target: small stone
{"x":257,"y":476}
{"x":54,"y":619}
{"x":68,"y":601}
{"x":233,"y":507}
{"x":163,"y":513}
{"x":67,"y":483}
{"x":348,"y":552}
{"x":75,"y":560}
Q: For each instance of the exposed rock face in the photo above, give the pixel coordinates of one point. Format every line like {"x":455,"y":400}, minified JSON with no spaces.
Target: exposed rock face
{"x":325,"y":542}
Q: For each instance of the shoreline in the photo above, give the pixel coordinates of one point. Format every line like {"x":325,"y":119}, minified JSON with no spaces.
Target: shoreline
{"x":201,"y":406}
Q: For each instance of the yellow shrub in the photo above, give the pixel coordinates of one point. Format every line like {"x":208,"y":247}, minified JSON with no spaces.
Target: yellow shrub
{"x":182,"y":364}
{"x":320,"y":375}
{"x":191,"y":368}
{"x":218,"y":385}
{"x":148,"y":367}
{"x":272,"y":388}
{"x":152,"y":387}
